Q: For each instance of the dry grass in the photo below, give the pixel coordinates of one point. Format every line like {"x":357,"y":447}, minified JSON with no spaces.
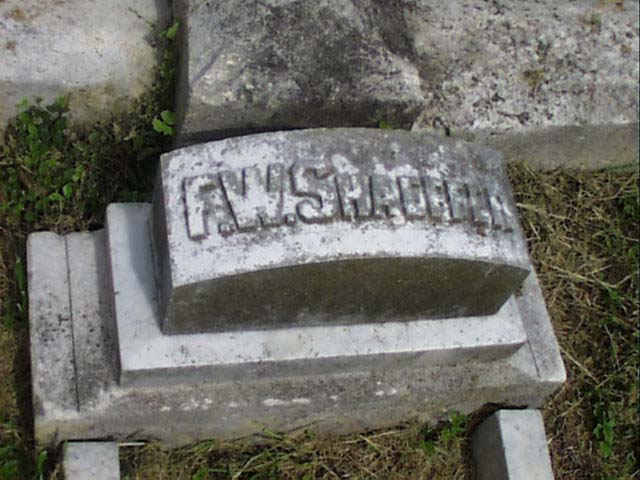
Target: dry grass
{"x":583,"y":234}
{"x":402,"y":453}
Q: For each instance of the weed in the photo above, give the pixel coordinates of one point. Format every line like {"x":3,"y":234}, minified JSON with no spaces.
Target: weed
{"x":442,"y":439}
{"x":37,"y":178}
{"x":604,"y":431}
{"x":165,"y":123}
{"x":170,"y":33}
{"x":9,"y":465}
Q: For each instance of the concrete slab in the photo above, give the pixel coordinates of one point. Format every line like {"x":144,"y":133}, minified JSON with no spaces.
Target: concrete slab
{"x":98,"y":53}
{"x":147,"y":356}
{"x":552,"y":84}
{"x":91,"y":460}
{"x":512,"y":445}
{"x":339,"y":226}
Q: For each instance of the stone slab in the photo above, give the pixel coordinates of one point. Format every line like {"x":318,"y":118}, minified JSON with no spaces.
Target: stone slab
{"x":552,"y":84}
{"x":335,"y":226}
{"x":273,"y":65}
{"x":374,"y":398}
{"x":370,"y":397}
{"x":98,"y":53}
{"x":94,"y":339}
{"x":147,"y":356}
{"x":91,"y":460}
{"x":512,"y":445}
{"x":53,"y":369}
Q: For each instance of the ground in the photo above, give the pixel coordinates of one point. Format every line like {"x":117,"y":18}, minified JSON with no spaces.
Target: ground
{"x":582,"y":229}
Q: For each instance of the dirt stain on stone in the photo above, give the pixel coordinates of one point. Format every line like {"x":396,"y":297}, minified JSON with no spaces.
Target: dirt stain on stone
{"x":18,"y":15}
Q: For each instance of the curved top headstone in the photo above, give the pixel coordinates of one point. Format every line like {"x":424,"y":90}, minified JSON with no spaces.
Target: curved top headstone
{"x":341,"y":226}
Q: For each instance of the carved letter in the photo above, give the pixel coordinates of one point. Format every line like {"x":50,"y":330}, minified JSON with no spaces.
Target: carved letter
{"x":415,"y":206}
{"x":355,"y":197}
{"x":386,"y":198}
{"x":500,"y":213}
{"x":318,"y":185}
{"x":458,"y":202}
{"x":203,"y":198}
{"x":479,"y":206}
{"x":255,"y":199}
{"x":436,"y":199}
{"x":195,"y":206}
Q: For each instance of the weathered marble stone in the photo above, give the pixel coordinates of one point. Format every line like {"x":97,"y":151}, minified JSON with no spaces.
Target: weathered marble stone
{"x":50,"y":327}
{"x":149,"y":357}
{"x":333,"y":227}
{"x":247,"y":66}
{"x":103,"y":368}
{"x":512,"y":445}
{"x":173,"y":398}
{"x":91,"y":460}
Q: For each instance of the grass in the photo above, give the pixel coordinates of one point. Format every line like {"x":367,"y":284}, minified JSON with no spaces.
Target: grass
{"x":582,"y":229}
{"x":583,"y":237}
{"x":410,"y":451}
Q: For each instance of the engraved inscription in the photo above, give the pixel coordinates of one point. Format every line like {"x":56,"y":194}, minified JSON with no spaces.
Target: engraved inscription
{"x":255,"y":198}
{"x":412,"y":197}
{"x":272,"y":196}
{"x":318,"y":185}
{"x":354,"y":195}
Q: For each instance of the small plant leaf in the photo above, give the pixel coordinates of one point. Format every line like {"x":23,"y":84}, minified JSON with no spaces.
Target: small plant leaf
{"x":201,"y":474}
{"x":67,"y":190}
{"x":170,"y":33}
{"x":168,"y":117}
{"x":55,"y":197}
{"x":161,"y":127}
{"x":40,"y":461}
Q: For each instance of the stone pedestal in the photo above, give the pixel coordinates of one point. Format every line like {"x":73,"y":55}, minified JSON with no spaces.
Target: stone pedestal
{"x":159,"y":327}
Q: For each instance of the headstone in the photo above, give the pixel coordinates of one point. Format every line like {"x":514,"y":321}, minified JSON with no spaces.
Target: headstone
{"x":346,"y":278}
{"x":333,"y":227}
{"x":247,"y":66}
